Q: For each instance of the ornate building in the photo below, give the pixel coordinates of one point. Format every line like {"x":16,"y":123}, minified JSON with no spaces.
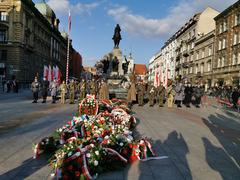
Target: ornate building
{"x":30,"y":39}
{"x":226,"y":66}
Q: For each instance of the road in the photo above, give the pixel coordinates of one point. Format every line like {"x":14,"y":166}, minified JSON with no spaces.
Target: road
{"x":200,"y":143}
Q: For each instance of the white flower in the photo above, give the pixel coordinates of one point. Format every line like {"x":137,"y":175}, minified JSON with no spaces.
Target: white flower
{"x":69,"y":154}
{"x":88,"y":155}
{"x":106,"y":137}
{"x":60,"y":130}
{"x":95,"y":163}
{"x":121,"y":144}
{"x":97,"y":153}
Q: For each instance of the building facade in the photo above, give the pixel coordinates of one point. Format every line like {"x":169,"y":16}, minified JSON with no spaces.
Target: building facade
{"x":30,"y":39}
{"x":226,"y":66}
{"x":199,"y":25}
{"x":201,"y":68}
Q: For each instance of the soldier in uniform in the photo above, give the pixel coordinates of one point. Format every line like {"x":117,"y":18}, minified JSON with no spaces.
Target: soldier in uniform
{"x":82,"y":89}
{"x":170,"y":94}
{"x":35,"y":86}
{"x":53,"y":89}
{"x":161,"y":94}
{"x":104,"y":91}
{"x":140,"y":92}
{"x":131,"y":96}
{"x":63,"y":90}
{"x":45,"y":85}
{"x":151,"y":94}
{"x":71,"y":91}
{"x":92,"y":87}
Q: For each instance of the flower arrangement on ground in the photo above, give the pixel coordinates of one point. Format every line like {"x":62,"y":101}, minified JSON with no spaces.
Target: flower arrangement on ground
{"x":100,"y":139}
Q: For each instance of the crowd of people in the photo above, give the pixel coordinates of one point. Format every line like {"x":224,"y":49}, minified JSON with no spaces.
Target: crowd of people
{"x":73,"y":90}
{"x":10,"y":85}
{"x":175,"y":93}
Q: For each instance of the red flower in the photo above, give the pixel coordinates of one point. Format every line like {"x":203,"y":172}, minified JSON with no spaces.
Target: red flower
{"x":70,"y":167}
{"x":65,"y":177}
{"x":131,"y":146}
{"x":77,"y":174}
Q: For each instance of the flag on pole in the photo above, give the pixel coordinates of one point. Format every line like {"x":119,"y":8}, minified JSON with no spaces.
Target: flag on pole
{"x":45,"y":72}
{"x":49,"y":73}
{"x":69,"y":22}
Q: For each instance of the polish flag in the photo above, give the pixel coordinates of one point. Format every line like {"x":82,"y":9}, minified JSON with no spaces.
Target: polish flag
{"x":45,"y":72}
{"x":49,"y":73}
{"x":69,"y":22}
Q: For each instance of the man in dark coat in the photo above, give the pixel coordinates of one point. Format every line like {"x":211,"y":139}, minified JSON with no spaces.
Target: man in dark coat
{"x":198,"y":93}
{"x":45,"y":85}
{"x":35,"y":87}
{"x":235,"y":97}
{"x":161,"y":94}
{"x":188,"y":95}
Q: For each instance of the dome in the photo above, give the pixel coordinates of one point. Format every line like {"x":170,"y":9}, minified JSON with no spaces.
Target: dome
{"x":46,"y":11}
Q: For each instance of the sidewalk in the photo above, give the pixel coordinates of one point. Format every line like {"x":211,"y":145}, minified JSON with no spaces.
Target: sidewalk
{"x":22,"y":93}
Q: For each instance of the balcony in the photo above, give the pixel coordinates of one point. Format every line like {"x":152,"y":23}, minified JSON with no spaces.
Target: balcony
{"x":185,"y":65}
{"x":185,"y":53}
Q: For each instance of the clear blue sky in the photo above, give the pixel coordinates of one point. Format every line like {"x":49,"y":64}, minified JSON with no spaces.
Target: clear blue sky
{"x":146,"y":24}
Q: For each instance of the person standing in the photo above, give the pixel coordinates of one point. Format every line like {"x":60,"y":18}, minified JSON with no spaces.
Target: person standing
{"x":161,"y":94}
{"x":82,"y":89}
{"x":35,"y":87}
{"x":188,"y":91}
{"x":140,"y":92}
{"x":45,"y":86}
{"x":198,"y":95}
{"x":179,"y":89}
{"x":53,"y":89}
{"x":63,"y":91}
{"x":170,"y":94}
{"x":131,"y":96}
{"x":151,"y":94}
{"x":71,"y":92}
{"x":92,"y":87}
{"x":3,"y":84}
{"x":104,"y":91}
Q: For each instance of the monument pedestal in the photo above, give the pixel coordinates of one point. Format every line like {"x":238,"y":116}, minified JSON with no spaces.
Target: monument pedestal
{"x":117,"y":53}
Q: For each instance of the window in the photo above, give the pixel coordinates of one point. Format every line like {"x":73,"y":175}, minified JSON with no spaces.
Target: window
{"x":196,"y":69}
{"x":235,"y":59}
{"x":220,"y":28}
{"x":192,"y":45}
{"x":203,"y":53}
{"x":224,"y":26}
{"x":223,"y":62}
{"x":209,"y":50}
{"x":209,"y":66}
{"x":3,"y":35}
{"x":191,"y":69}
{"x":197,"y":56}
{"x":237,"y":19}
{"x":224,"y":44}
{"x":202,"y":68}
{"x":238,"y":58}
{"x":219,"y":62}
{"x":194,"y":31}
{"x":235,"y":36}
{"x":3,"y":16}
{"x":219,"y":44}
{"x":3,"y":55}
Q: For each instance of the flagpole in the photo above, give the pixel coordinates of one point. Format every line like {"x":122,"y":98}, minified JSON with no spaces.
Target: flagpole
{"x":67,"y":59}
{"x":68,"y":45}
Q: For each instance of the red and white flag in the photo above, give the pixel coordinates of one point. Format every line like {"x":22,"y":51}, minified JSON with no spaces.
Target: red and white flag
{"x":45,"y":72}
{"x":69,"y":22}
{"x":49,"y":73}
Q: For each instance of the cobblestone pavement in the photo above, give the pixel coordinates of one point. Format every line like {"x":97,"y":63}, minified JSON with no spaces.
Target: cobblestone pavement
{"x":200,"y":143}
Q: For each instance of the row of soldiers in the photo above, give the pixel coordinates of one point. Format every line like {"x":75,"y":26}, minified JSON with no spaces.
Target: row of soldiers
{"x":173,"y":94}
{"x":98,"y":88}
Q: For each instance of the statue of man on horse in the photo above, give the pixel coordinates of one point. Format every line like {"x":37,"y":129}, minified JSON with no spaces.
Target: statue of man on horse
{"x":117,"y":36}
